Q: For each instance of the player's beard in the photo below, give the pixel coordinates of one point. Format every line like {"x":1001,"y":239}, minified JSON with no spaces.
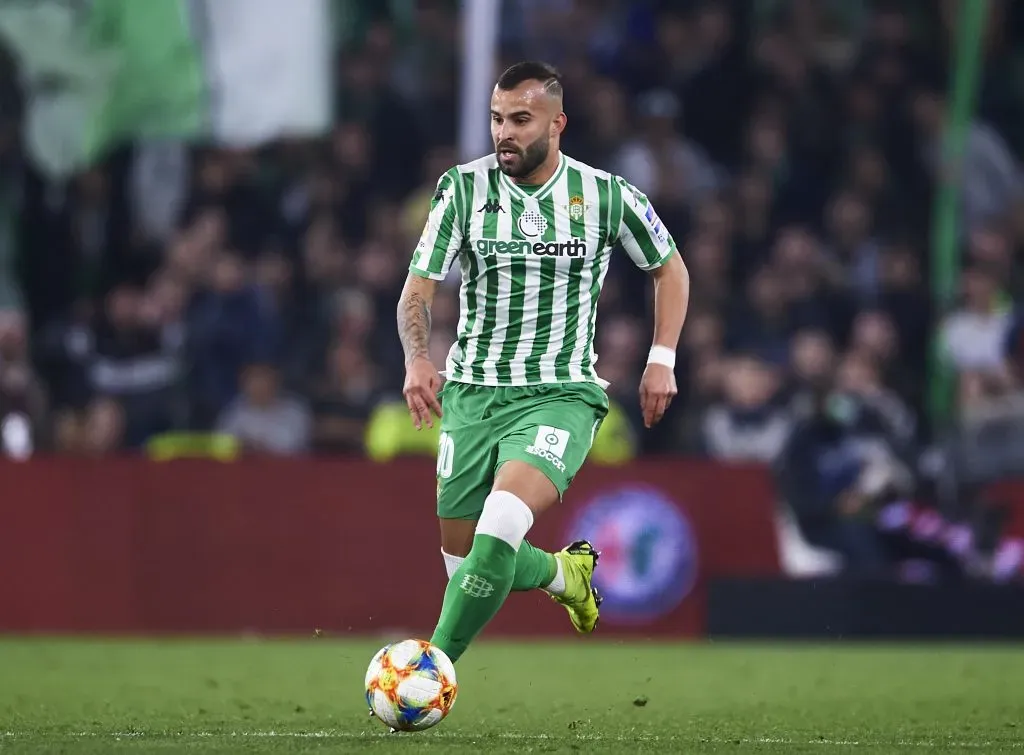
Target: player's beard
{"x":529,"y":160}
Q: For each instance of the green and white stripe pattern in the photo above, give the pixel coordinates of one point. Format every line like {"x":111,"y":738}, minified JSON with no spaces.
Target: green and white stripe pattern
{"x":533,"y":262}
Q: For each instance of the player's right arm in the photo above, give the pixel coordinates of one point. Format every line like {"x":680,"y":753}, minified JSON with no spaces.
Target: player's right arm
{"x":422,"y":381}
{"x":431,"y":261}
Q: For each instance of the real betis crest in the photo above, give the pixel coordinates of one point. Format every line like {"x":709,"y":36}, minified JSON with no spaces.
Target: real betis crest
{"x":576,"y":208}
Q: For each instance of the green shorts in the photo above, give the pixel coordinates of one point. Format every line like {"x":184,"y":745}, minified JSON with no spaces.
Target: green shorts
{"x":550,"y":427}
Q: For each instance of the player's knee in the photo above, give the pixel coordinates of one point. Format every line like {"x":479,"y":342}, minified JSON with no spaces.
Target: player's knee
{"x":527,"y":483}
{"x":505,"y":517}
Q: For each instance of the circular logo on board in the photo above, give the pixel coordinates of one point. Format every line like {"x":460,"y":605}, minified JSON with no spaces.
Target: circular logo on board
{"x":648,"y":552}
{"x":532,"y":224}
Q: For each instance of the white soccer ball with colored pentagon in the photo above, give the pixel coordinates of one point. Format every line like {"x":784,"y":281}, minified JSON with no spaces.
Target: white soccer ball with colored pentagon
{"x":410,"y":685}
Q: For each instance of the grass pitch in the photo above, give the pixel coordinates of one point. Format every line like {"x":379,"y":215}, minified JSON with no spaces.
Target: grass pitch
{"x":76,"y":696}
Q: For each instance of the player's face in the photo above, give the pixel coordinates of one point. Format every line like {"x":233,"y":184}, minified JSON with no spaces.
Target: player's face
{"x":525,"y":123}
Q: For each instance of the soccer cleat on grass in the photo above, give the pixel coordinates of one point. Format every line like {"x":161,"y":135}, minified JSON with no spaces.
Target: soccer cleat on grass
{"x":581,"y":599}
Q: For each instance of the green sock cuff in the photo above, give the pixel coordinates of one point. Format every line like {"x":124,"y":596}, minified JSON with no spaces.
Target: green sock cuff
{"x":552,"y":570}
{"x":534,"y":568}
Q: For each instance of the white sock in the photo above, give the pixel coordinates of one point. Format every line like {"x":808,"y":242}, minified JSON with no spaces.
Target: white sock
{"x":557,"y":585}
{"x":506,"y":517}
{"x":451,"y":563}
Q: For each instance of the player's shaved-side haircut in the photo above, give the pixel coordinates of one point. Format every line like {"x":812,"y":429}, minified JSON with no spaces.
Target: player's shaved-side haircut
{"x":532,"y":70}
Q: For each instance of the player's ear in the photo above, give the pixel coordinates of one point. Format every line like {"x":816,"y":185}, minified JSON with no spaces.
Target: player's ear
{"x":558,"y":124}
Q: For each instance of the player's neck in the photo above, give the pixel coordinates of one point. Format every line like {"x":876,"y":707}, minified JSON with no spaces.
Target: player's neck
{"x":544,"y":171}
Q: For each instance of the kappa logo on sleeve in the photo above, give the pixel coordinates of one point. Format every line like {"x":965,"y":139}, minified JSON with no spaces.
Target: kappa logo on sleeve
{"x":437,"y":212}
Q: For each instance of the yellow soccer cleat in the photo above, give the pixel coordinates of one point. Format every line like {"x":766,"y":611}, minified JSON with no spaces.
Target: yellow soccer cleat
{"x":581,"y":599}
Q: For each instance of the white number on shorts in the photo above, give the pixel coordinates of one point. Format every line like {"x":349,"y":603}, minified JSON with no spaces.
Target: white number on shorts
{"x":445,"y":456}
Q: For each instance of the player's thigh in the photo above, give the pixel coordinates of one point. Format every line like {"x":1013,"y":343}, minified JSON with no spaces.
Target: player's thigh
{"x":553,"y":430}
{"x":466,"y":454}
{"x":528,"y":483}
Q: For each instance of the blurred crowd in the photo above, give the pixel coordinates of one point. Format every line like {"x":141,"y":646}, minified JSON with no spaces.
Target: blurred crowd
{"x":791,"y":147}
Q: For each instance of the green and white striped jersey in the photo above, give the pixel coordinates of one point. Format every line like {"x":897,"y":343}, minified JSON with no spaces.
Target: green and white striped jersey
{"x":533,"y":261}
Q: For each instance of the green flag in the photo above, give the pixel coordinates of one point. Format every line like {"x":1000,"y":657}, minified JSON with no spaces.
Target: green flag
{"x":232,"y":72}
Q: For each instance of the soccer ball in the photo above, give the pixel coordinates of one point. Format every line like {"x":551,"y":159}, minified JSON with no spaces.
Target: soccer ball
{"x":410,"y":685}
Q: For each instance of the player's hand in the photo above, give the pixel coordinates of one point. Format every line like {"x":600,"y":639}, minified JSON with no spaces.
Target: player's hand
{"x":422,"y":382}
{"x":657,"y":389}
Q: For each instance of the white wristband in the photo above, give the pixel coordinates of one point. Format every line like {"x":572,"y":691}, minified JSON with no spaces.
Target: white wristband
{"x":662,"y":355}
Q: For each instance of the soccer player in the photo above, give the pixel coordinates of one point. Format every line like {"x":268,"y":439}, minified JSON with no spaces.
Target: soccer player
{"x":534,"y":231}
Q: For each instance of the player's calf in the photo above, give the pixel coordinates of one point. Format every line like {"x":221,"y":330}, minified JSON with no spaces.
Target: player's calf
{"x":483,"y":580}
{"x":567,"y":576}
{"x":535,"y":569}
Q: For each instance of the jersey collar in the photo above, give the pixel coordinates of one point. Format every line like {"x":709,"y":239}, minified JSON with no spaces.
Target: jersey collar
{"x":544,"y":190}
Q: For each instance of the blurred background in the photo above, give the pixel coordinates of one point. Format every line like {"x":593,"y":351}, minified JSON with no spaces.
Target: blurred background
{"x":207,"y":211}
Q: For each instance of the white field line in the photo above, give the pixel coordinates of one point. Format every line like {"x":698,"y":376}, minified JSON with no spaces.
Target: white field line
{"x":514,"y":737}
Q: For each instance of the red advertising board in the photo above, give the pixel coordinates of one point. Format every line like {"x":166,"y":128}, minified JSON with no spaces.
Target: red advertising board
{"x":288,"y":546}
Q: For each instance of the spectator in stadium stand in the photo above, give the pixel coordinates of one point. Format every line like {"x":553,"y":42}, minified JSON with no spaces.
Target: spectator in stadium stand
{"x":812,"y":356}
{"x":126,"y":365}
{"x":858,"y":375}
{"x":989,"y":177}
{"x":813,"y":300}
{"x":660,"y":162}
{"x":875,"y":337}
{"x":750,"y":424}
{"x":700,"y":366}
{"x":812,"y":361}
{"x":1014,"y":350}
{"x":1014,"y":230}
{"x":854,"y":251}
{"x":974,"y":336}
{"x":904,"y":298}
{"x":834,"y":473}
{"x":263,"y":419}
{"x":989,"y":244}
{"x":618,"y":342}
{"x":22,"y":399}
{"x":709,"y":259}
{"x":232,"y":323}
{"x":343,"y":399}
{"x":761,"y":320}
{"x":753,"y":207}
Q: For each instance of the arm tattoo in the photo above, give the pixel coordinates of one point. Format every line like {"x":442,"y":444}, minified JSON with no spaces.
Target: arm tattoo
{"x":414,"y":326}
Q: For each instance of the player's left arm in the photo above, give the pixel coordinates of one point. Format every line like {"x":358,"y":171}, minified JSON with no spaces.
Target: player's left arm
{"x":671,"y":300}
{"x":652,"y":248}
